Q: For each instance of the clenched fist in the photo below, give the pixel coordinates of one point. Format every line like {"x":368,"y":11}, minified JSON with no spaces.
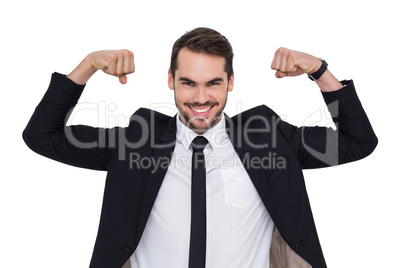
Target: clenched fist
{"x":293,"y":63}
{"x":114,"y":62}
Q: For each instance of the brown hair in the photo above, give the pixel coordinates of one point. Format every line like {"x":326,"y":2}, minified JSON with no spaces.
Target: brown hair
{"x":204,"y":40}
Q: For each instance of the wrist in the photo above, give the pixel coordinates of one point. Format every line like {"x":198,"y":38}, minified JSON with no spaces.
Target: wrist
{"x":81,"y":74}
{"x":327,"y":82}
{"x":319,"y":71}
{"x":315,"y":66}
{"x":90,"y":61}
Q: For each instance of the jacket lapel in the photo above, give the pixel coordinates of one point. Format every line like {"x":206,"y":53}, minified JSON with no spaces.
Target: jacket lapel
{"x":163,"y":149}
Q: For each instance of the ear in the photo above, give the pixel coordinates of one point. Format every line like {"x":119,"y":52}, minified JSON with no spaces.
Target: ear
{"x":231,"y":82}
{"x":170,"y":80}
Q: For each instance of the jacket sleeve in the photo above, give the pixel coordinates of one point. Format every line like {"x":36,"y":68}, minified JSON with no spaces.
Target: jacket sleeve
{"x":352,"y":140}
{"x":81,"y":146}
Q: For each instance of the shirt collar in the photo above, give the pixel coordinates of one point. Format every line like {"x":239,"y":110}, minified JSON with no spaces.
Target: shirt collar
{"x":215,"y":135}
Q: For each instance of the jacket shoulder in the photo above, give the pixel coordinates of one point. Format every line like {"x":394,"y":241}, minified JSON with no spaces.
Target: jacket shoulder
{"x":258,"y":111}
{"x":147,"y":118}
{"x":150,"y":124}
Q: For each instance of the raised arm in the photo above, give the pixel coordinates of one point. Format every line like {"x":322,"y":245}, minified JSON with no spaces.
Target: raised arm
{"x":317,"y":147}
{"x":288,"y":62}
{"x":81,"y":146}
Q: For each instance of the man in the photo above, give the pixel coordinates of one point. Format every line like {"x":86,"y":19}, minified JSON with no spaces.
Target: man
{"x":251,"y":193}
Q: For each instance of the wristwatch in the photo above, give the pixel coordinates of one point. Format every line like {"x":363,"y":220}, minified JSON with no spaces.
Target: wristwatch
{"x":319,"y":72}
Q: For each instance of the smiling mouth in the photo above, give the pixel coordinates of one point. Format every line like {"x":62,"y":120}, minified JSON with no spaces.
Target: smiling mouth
{"x":203,"y":110}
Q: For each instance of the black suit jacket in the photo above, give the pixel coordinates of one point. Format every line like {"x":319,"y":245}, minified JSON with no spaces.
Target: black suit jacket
{"x":257,"y":133}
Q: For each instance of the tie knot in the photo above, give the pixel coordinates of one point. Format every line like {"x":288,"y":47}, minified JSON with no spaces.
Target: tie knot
{"x":199,"y":143}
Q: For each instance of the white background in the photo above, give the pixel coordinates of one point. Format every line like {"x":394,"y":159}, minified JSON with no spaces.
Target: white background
{"x":50,"y":211}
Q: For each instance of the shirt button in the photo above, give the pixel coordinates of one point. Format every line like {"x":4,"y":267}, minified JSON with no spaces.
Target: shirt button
{"x":127,"y":250}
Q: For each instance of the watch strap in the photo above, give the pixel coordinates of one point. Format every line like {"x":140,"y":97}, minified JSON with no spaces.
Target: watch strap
{"x":319,"y":72}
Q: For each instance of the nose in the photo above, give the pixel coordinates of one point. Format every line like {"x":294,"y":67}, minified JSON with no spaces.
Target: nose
{"x":201,"y":95}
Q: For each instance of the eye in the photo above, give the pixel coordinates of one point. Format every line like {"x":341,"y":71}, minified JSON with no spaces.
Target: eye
{"x":187,"y":83}
{"x":213,"y":84}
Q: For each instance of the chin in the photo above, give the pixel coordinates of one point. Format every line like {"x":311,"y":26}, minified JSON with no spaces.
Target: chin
{"x":198,"y":124}
{"x":202,"y":124}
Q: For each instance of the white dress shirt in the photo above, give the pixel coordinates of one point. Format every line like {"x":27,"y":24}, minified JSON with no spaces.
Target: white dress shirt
{"x":239,"y":228}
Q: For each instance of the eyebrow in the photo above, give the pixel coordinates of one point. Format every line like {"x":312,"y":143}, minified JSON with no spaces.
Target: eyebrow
{"x":185,"y":79}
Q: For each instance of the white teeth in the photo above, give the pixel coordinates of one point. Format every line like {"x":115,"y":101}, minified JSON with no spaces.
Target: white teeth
{"x":200,"y":110}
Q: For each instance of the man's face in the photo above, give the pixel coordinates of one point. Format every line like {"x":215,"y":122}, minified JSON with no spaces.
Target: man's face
{"x":201,"y":86}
